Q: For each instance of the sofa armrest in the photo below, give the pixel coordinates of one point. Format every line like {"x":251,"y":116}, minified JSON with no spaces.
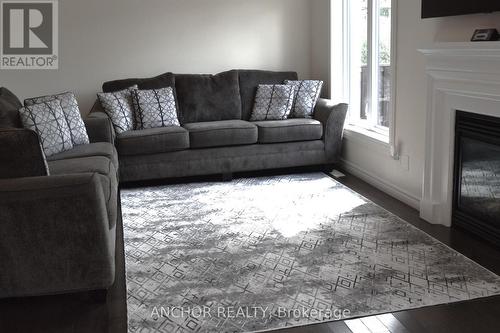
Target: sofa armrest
{"x":99,"y":127}
{"x":332,"y":116}
{"x":21,"y":154}
{"x":55,"y":236}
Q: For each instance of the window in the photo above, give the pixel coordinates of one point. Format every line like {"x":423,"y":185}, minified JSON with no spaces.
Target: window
{"x":362,"y":31}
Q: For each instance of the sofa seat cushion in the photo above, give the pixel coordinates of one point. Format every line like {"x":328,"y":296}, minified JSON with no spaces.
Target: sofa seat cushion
{"x":100,"y":165}
{"x":152,"y":141}
{"x":221,"y":133}
{"x":105,"y":149}
{"x":290,"y":130}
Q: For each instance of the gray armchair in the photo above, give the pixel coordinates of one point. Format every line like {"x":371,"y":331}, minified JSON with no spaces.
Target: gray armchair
{"x":57,"y":231}
{"x":55,"y":236}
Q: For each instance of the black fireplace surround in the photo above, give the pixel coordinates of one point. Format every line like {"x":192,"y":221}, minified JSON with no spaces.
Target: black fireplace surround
{"x":476,"y":193}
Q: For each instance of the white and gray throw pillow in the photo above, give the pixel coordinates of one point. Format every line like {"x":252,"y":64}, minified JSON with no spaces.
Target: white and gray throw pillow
{"x":272,"y":102}
{"x":155,"y":108}
{"x":306,"y":95}
{"x":119,"y":107}
{"x":48,"y":120}
{"x":72,"y":115}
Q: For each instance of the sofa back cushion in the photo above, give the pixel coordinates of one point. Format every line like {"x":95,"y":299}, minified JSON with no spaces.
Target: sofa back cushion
{"x":27,"y":160}
{"x":9,"y":106}
{"x":208,"y":97}
{"x":157,"y":82}
{"x":250,"y":80}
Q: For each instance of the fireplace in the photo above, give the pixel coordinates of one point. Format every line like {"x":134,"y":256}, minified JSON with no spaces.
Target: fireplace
{"x":463,"y":108}
{"x":476,"y":190}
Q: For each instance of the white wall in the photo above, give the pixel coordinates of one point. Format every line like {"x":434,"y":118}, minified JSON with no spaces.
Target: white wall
{"x":320,"y":43}
{"x":102,"y":40}
{"x":460,"y":28}
{"x":370,"y":160}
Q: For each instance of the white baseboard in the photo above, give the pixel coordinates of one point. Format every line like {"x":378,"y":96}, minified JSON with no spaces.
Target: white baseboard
{"x":392,"y":190}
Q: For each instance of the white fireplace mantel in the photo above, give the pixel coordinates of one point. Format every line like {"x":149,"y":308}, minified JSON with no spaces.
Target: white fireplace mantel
{"x":460,"y":76}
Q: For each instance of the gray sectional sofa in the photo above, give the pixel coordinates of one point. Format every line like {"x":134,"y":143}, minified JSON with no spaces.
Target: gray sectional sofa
{"x":216,"y":135}
{"x":58,"y":217}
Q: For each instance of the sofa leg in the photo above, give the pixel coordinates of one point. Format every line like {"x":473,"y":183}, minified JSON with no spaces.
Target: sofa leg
{"x":227,"y":176}
{"x":99,"y":296}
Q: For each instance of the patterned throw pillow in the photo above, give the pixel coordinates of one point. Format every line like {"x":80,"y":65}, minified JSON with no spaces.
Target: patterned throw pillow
{"x":306,"y":95}
{"x":272,"y":102}
{"x":119,"y":107}
{"x":155,"y":108}
{"x":72,"y":114}
{"x":47,"y":119}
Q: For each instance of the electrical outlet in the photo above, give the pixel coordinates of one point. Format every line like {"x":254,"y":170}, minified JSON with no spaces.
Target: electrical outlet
{"x":404,"y":160}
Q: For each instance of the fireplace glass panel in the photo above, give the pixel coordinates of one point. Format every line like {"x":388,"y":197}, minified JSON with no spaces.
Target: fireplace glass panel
{"x":480,"y":180}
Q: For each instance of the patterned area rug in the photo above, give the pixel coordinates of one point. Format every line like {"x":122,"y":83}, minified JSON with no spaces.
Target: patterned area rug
{"x":265,"y":253}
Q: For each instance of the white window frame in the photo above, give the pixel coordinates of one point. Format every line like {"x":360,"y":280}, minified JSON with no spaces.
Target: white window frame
{"x":340,"y":63}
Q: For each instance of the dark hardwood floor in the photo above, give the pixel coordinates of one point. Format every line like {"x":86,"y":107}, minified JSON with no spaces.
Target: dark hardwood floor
{"x":81,"y":313}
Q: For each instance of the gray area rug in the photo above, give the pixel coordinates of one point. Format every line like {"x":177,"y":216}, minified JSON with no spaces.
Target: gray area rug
{"x":265,"y":253}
